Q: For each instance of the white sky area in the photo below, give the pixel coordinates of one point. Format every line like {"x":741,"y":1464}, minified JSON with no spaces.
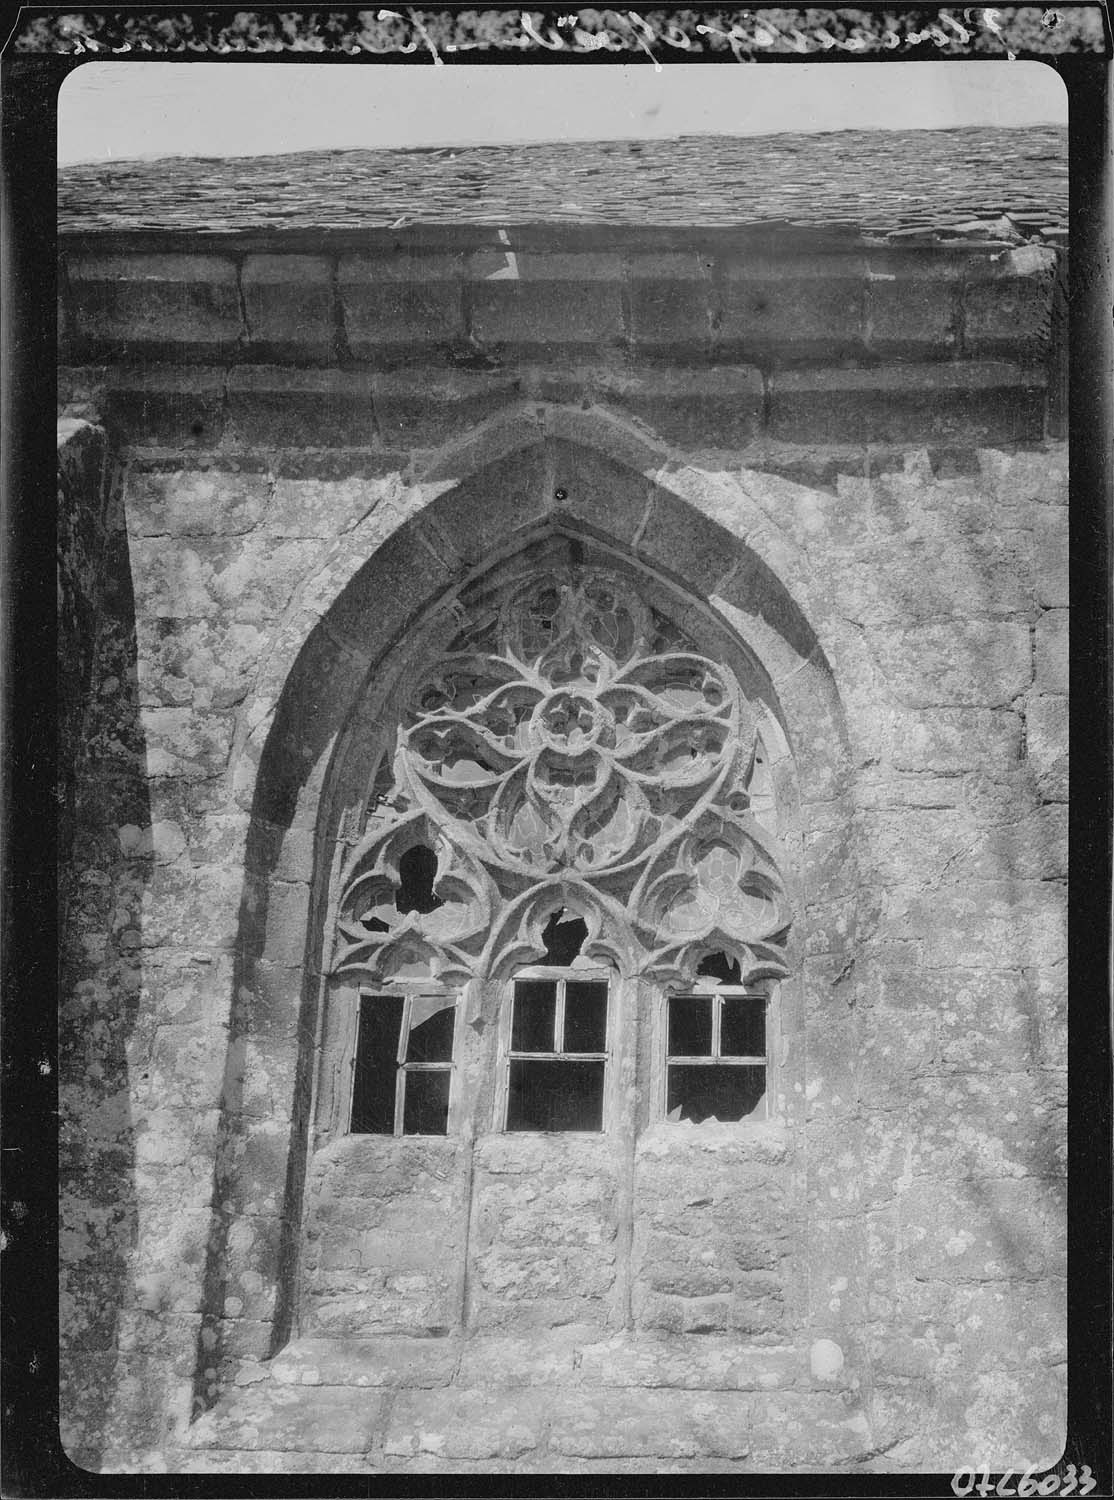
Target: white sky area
{"x":119,"y":110}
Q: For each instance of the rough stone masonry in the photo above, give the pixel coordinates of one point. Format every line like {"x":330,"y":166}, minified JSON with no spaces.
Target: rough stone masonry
{"x":829,"y":461}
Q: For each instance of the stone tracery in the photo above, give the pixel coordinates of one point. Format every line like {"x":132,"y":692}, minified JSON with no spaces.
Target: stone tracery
{"x":571,"y":746}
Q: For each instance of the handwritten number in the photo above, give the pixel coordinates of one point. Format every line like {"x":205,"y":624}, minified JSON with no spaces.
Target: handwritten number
{"x":963,"y":1483}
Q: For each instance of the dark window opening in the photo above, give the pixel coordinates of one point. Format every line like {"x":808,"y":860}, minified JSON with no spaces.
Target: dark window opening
{"x":535,"y":1016}
{"x":742,"y":1027}
{"x":690,"y":1026}
{"x":563,"y":940}
{"x":585,"y":1016}
{"x":558,"y":1055}
{"x":563,"y":1095}
{"x":714,"y":1093}
{"x":719,"y":966}
{"x":431,"y":1039}
{"x":715,"y":1056}
{"x":373,"y":1089}
{"x":417,"y":870}
{"x":403,"y":1065}
{"x":425,"y":1108}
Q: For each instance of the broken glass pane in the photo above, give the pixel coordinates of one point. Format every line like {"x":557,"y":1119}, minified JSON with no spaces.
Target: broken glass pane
{"x":705,"y":1093}
{"x":431,"y":1037}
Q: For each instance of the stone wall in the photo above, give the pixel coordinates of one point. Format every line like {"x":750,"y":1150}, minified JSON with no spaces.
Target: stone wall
{"x":83,"y":522}
{"x":904,"y":587}
{"x":101,"y":787}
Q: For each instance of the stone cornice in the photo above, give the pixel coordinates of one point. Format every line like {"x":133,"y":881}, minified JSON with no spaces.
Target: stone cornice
{"x":493,"y":299}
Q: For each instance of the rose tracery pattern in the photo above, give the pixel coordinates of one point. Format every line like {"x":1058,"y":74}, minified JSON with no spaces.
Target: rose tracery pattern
{"x":572,"y":747}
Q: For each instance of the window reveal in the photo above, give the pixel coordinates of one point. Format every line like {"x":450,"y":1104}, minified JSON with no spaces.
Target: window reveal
{"x":715,"y":1062}
{"x":402,"y":1072}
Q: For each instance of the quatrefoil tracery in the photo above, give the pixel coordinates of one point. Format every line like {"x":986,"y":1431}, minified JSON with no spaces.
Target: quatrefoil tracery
{"x":572,"y":744}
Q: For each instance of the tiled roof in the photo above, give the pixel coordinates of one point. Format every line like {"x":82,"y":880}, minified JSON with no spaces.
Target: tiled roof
{"x":908,"y":183}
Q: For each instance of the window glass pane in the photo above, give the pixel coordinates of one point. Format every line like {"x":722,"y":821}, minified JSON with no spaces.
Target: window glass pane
{"x":535,"y":1006}
{"x":725,"y":1093}
{"x":743,"y":1028}
{"x":555,"y":1095}
{"x":431,"y":1039}
{"x":690,"y":1026}
{"x":585,"y":1016}
{"x":425,"y":1110}
{"x":373,"y":1087}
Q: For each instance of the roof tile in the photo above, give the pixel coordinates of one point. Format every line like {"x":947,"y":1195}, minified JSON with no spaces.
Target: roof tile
{"x":881,"y":182}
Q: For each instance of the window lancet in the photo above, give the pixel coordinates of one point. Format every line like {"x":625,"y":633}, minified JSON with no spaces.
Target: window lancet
{"x":571,"y":748}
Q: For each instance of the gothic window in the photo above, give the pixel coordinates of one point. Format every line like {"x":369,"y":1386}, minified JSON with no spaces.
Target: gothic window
{"x":574,"y":799}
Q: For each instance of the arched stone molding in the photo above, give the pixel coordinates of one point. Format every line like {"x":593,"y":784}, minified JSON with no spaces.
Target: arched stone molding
{"x":664,"y":501}
{"x":425,"y":547}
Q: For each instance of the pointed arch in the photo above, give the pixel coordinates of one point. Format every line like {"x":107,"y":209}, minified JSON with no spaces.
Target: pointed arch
{"x":300,"y":762}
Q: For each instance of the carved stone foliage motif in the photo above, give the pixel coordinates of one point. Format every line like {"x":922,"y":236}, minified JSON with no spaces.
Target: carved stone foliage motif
{"x":571,"y":748}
